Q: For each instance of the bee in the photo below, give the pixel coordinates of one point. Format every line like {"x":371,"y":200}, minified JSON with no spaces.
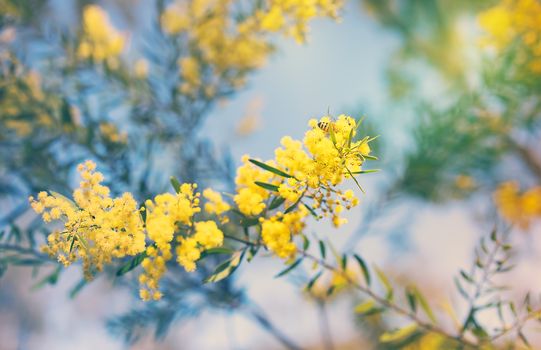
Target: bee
{"x":325,"y":126}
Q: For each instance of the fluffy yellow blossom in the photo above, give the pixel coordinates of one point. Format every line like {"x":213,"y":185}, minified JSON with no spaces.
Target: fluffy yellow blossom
{"x":97,"y":228}
{"x":277,"y":237}
{"x":163,"y":215}
{"x":313,"y":169}
{"x":207,"y":235}
{"x":101,"y":41}
{"x":515,"y":21}
{"x":518,"y":208}
{"x":110,"y":133}
{"x":215,"y":204}
{"x":228,"y":42}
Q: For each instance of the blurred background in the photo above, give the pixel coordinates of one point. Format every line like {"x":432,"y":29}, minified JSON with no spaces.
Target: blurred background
{"x":451,"y":88}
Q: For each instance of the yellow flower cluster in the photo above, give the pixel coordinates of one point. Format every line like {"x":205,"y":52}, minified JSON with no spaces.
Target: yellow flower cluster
{"x":110,"y":132}
{"x":519,"y":208}
{"x":515,"y":19}
{"x":24,"y":104}
{"x":292,"y":16}
{"x":313,"y":174}
{"x":303,"y":178}
{"x":97,"y":228}
{"x":101,"y":41}
{"x":231,"y":47}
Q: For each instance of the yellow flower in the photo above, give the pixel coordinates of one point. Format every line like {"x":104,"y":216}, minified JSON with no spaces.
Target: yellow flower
{"x":98,"y":228}
{"x":277,"y":237}
{"x":518,"y":208}
{"x":101,"y":41}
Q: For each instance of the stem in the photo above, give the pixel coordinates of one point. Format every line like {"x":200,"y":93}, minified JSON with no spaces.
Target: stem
{"x":384,"y":302}
{"x":265,"y":323}
{"x":325,"y":326}
{"x":480,"y":284}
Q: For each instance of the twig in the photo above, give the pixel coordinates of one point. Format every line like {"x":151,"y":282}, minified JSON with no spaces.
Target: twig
{"x":384,"y":302}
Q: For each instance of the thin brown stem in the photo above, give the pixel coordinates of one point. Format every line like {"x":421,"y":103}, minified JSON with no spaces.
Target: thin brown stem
{"x":429,"y":327}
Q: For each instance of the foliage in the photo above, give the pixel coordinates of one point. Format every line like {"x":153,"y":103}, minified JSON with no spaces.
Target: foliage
{"x":124,"y":113}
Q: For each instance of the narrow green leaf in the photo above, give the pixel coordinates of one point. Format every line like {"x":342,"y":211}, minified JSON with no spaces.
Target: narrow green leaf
{"x":322,"y":249}
{"x":293,"y":206}
{"x":289,"y":268}
{"x":354,"y":179}
{"x":332,"y":135}
{"x":52,"y":278}
{"x":214,"y":251}
{"x":467,"y":277}
{"x":344,"y":262}
{"x":370,"y":157}
{"x":132,"y":264}
{"x":270,"y":168}
{"x":77,"y":288}
{"x":312,"y":211}
{"x":493,"y":236}
{"x":365,"y":306}
{"x":313,"y":281}
{"x":399,"y":334}
{"x":305,"y":242}
{"x":364,"y":268}
{"x":226,"y":268}
{"x":412,"y":301}
{"x":276,"y":202}
{"x":369,"y":171}
{"x":267,"y":186}
{"x":424,"y":304}
{"x":175,"y":183}
{"x":385,"y":281}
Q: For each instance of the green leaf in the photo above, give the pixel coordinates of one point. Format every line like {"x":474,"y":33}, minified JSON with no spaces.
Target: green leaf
{"x":77,"y":288}
{"x":175,"y":183}
{"x":398,"y":334}
{"x":354,"y":179}
{"x":412,"y":301}
{"x":276,"y":202}
{"x":385,"y":281}
{"x":344,"y":262}
{"x":493,"y":236}
{"x":51,"y":279}
{"x":305,"y":242}
{"x":424,"y":304}
{"x":364,"y":268}
{"x":311,"y":210}
{"x":214,"y":251}
{"x":332,"y":135}
{"x":313,"y":280}
{"x":368,"y":308}
{"x":369,"y":171}
{"x":132,"y":264}
{"x":226,"y":268}
{"x":365,"y":306}
{"x":289,"y":268}
{"x":467,"y":277}
{"x":322,"y":249}
{"x":293,"y":206}
{"x":270,"y":168}
{"x":370,"y":157}
{"x":267,"y":186}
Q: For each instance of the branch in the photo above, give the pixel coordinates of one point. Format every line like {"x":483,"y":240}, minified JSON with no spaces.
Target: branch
{"x":390,"y":305}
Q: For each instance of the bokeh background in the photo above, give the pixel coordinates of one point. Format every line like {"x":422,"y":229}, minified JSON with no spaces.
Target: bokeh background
{"x":455,"y":119}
